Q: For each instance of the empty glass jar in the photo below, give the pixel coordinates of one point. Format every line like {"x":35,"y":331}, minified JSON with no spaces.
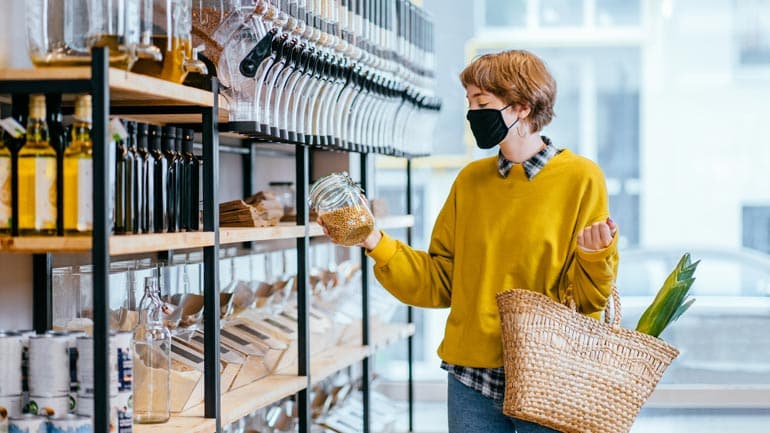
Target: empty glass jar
{"x":342,"y":208}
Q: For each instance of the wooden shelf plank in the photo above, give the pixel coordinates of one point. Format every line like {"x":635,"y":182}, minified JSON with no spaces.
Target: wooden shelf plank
{"x":119,"y":244}
{"x":331,"y":361}
{"x":235,"y":405}
{"x":130,"y":89}
{"x":179,"y":424}
{"x":391,"y":333}
{"x":231,"y":235}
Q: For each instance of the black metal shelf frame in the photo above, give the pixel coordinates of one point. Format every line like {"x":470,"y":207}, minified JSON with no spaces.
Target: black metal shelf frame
{"x":98,"y":86}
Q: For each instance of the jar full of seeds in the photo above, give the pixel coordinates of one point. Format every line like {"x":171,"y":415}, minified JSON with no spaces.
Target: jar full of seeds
{"x":341,"y":206}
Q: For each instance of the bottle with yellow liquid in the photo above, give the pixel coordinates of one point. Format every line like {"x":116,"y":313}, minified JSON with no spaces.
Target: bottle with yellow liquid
{"x":78,"y":172}
{"x":37,"y":175}
{"x":5,"y":188}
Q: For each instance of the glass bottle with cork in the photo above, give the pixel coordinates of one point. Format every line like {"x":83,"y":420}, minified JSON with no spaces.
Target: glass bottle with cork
{"x":159,"y":174}
{"x":169,"y":152}
{"x":37,"y":175}
{"x":78,"y":172}
{"x":148,"y":190}
{"x":152,"y":360}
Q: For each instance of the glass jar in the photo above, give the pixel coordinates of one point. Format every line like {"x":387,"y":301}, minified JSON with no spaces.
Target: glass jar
{"x":62,"y":33}
{"x":152,"y":360}
{"x":172,"y":34}
{"x":284,"y":193}
{"x":342,"y":208}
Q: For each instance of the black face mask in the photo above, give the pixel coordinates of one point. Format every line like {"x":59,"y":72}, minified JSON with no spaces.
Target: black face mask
{"x":488,"y":126}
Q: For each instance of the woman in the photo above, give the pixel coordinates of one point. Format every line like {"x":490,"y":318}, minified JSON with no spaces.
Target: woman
{"x":533,"y":217}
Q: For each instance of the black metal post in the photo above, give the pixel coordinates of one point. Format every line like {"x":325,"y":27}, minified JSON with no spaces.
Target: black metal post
{"x":409,"y":309}
{"x":365,"y":311}
{"x":101,"y":237}
{"x":210,"y":133}
{"x":302,"y":173}
{"x":42,"y":300}
{"x":247,"y":168}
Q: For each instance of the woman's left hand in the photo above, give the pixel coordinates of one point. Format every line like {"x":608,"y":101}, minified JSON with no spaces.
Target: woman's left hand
{"x":597,"y":236}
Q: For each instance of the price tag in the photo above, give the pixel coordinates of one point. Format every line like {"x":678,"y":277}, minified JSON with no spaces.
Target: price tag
{"x":117,"y":130}
{"x":13,"y":127}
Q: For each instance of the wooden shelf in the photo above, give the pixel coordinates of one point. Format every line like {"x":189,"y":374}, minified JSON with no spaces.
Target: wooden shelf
{"x":119,"y":244}
{"x":235,"y":405}
{"x":231,"y":235}
{"x":240,"y":402}
{"x":331,"y":361}
{"x":130,"y":89}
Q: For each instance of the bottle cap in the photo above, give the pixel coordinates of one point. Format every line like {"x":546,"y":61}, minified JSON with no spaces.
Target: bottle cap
{"x":154,"y":141}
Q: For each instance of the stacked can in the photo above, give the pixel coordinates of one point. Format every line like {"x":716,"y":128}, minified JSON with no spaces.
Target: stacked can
{"x":70,"y":423}
{"x":10,"y":377}
{"x":49,"y":375}
{"x":121,"y":378}
{"x":25,"y":334}
{"x":27,"y":423}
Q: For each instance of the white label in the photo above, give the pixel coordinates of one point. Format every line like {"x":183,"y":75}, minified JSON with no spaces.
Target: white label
{"x":117,"y":130}
{"x":85,"y":194}
{"x":45,"y":192}
{"x":13,"y":127}
{"x":5,"y":193}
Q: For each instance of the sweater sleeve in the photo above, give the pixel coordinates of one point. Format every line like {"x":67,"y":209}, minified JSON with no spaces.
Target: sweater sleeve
{"x":419,"y":278}
{"x":593,"y":273}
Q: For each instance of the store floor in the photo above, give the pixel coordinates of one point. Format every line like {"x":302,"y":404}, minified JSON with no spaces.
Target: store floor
{"x":430,"y":417}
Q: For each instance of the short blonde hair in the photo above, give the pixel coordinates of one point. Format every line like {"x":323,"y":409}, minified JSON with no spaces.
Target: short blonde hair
{"x":517,"y":77}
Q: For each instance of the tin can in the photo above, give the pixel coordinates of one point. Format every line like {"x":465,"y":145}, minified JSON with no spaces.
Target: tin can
{"x":10,"y":363}
{"x":123,"y":406}
{"x":28,"y":423}
{"x":72,"y":349}
{"x":50,"y":406}
{"x":11,"y":406}
{"x":70,"y":424}
{"x":25,"y":334}
{"x":121,"y":411}
{"x":49,"y":365}
{"x":85,"y":370}
{"x":125,"y":364}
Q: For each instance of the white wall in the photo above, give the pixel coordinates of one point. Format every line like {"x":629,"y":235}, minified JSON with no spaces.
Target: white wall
{"x":704,"y":125}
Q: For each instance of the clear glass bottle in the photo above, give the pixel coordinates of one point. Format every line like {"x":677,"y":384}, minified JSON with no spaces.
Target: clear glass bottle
{"x":342,"y":208}
{"x":37,"y":175}
{"x":5,"y":187}
{"x":78,"y":172}
{"x":152,"y":360}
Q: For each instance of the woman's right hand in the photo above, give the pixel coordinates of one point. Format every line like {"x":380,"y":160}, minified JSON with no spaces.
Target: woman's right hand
{"x":369,"y":243}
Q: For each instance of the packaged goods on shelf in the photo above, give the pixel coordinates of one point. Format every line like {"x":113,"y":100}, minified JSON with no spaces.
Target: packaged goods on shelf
{"x":245,"y":336}
{"x":231,"y":362}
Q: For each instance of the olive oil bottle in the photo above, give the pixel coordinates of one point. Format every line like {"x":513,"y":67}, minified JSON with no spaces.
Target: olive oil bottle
{"x":37,"y":175}
{"x":78,"y":172}
{"x":5,"y":187}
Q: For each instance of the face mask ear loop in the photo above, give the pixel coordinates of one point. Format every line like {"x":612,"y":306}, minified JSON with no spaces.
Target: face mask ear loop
{"x":515,"y":122}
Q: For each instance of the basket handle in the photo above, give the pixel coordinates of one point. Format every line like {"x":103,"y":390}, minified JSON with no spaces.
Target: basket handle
{"x":617,"y":311}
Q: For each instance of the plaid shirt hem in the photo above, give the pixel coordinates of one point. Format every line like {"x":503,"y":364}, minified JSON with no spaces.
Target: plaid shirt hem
{"x":490,"y":382}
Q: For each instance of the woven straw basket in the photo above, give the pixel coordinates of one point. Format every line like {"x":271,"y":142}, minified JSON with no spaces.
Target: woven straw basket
{"x":573,"y":373}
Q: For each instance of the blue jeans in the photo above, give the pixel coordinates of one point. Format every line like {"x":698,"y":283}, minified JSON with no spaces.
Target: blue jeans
{"x":471,"y":412}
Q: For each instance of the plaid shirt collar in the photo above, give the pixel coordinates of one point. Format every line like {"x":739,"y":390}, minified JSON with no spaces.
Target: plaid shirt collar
{"x":533,"y":165}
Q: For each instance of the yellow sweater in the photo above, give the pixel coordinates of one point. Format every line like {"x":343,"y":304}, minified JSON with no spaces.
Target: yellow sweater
{"x":493,"y":229}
